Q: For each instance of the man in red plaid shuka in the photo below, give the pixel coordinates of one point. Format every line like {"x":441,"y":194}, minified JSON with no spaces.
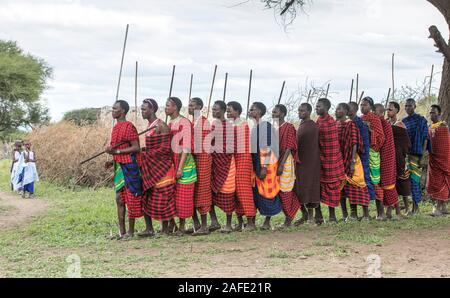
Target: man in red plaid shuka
{"x":157,"y":172}
{"x":439,"y":162}
{"x":352,"y":147}
{"x":203,"y":162}
{"x":286,"y":165}
{"x":245,"y":205}
{"x":377,"y":139}
{"x":127,"y":177}
{"x":332,"y":172}
{"x":388,"y":163}
{"x":186,"y":172}
{"x":223,"y":183}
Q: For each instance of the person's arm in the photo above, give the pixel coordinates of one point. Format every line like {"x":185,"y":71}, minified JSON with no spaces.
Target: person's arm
{"x":181,"y":164}
{"x":425,"y":144}
{"x":352,"y":164}
{"x":134,"y":148}
{"x":14,"y":157}
{"x":282,"y":162}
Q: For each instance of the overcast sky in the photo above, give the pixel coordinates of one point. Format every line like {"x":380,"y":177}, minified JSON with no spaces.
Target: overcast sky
{"x":82,"y":41}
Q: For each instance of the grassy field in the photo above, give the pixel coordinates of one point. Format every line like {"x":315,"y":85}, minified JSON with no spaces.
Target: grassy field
{"x":79,"y":220}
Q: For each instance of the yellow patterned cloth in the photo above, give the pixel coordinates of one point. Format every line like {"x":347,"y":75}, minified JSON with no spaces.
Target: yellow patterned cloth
{"x":287,"y":179}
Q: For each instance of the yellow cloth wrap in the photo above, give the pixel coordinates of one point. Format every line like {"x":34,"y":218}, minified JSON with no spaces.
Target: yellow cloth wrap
{"x":358,"y":176}
{"x":270,"y":186}
{"x":287,"y":179}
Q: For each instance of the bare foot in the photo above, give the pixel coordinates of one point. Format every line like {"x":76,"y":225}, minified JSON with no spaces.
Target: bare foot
{"x":201,"y":232}
{"x":146,"y":234}
{"x":214,"y":227}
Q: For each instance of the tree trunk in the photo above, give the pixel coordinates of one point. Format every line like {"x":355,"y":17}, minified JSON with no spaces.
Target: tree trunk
{"x":443,"y":47}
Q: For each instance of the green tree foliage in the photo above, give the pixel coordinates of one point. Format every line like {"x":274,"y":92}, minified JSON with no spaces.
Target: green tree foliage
{"x":82,"y":116}
{"x":23,"y":78}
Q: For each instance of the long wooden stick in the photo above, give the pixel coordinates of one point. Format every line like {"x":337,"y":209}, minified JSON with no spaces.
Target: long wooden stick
{"x":357,"y":86}
{"x":190,"y":86}
{"x":351,"y":91}
{"x":387,"y":98}
{"x":281,"y":93}
{"x":360,"y":98}
{"x":431,"y":80}
{"x":171,"y":86}
{"x":328,"y":89}
{"x":211,"y":92}
{"x":225,"y":87}
{"x":249,"y":92}
{"x":135,"y":94}
{"x":121,"y":62}
{"x":393,"y":77}
{"x":114,"y":147}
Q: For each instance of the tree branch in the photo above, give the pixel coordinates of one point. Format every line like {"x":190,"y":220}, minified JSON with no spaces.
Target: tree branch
{"x":439,"y":42}
{"x":288,"y":4}
{"x":442,"y":6}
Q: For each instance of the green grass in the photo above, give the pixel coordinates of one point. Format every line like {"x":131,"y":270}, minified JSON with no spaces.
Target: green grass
{"x":79,"y":219}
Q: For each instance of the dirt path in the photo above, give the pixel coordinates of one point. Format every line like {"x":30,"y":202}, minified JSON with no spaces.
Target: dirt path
{"x":312,"y":254}
{"x":14,"y":210}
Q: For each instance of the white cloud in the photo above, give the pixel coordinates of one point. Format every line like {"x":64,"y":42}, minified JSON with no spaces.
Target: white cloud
{"x":82,"y":40}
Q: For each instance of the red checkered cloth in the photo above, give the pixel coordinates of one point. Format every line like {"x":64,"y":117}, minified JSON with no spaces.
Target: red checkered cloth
{"x":202,"y":135}
{"x":184,"y":200}
{"x":379,"y":193}
{"x":356,"y":195}
{"x":225,"y":201}
{"x":376,"y":131}
{"x":388,"y":165}
{"x":203,"y":162}
{"x":181,"y":131}
{"x":349,"y":136}
{"x":245,"y":205}
{"x":288,"y":139}
{"x":330,"y":193}
{"x":132,"y":203}
{"x":124,"y":132}
{"x":221,"y":161}
{"x":332,"y":170}
{"x":202,"y":193}
{"x":289,"y":203}
{"x":330,"y":154}
{"x":155,"y":165}
{"x":159,"y":203}
{"x":439,"y":164}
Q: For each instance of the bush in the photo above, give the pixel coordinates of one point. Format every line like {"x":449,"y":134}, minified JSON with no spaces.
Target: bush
{"x":61,"y":147}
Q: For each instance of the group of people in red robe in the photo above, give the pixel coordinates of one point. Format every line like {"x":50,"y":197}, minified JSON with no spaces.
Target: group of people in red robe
{"x":193,"y":165}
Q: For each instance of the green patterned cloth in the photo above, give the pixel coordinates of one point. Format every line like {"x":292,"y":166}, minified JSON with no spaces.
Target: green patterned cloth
{"x":374,"y":164}
{"x":413,"y":166}
{"x":119,"y":179}
{"x":189,"y":171}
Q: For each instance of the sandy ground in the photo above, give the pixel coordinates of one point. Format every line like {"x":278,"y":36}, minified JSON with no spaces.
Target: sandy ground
{"x":296,"y":254}
{"x":17,"y":210}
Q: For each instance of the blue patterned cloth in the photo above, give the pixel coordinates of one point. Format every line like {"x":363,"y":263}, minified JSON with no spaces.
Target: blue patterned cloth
{"x":417,"y":127}
{"x":364,"y":132}
{"x":132,"y":177}
{"x":267,"y":207}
